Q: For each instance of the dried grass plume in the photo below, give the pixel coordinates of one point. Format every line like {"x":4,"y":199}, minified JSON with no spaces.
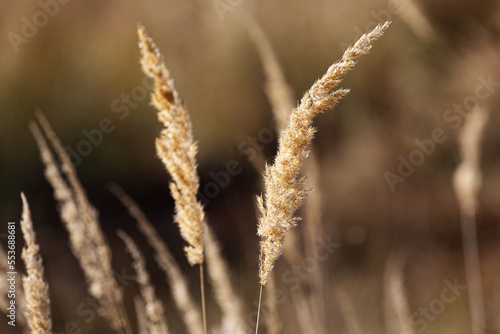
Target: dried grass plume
{"x":285,"y":190}
{"x":80,"y":219}
{"x":35,"y":287}
{"x":176,"y":148}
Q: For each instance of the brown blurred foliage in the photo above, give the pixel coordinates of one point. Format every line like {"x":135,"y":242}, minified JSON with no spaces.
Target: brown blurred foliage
{"x":81,"y":67}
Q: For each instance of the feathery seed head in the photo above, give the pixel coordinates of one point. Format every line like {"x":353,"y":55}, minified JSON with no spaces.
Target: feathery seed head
{"x":34,"y":284}
{"x":176,"y":148}
{"x":80,"y":218}
{"x":285,"y":190}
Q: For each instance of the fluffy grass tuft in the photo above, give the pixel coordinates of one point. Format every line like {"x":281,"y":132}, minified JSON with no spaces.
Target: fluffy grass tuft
{"x":34,"y":284}
{"x":176,"y":148}
{"x":80,"y":219}
{"x":285,"y":190}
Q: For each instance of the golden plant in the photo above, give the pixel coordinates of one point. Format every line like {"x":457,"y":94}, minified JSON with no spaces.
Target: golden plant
{"x":88,"y":243}
{"x":177,"y":150}
{"x":284,"y":190}
{"x":36,"y":288}
{"x":281,"y":97}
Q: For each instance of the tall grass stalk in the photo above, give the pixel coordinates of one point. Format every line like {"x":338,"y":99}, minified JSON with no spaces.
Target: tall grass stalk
{"x":281,"y":97}
{"x":284,"y":190}
{"x":177,"y":150}
{"x":467,"y":183}
{"x":80,"y":219}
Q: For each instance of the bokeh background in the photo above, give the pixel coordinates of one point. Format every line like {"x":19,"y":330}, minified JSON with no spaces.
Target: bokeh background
{"x":81,"y":65}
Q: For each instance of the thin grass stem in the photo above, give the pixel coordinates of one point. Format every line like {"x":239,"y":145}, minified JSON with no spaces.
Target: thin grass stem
{"x":258,"y":311}
{"x":203,"y":305}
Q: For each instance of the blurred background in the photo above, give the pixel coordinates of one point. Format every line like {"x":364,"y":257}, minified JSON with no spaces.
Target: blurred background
{"x":79,"y":64}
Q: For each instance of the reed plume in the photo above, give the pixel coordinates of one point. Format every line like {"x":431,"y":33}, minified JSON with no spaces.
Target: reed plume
{"x":176,"y":148}
{"x":276,"y":87}
{"x":153,"y":308}
{"x":80,"y":219}
{"x":178,"y":284}
{"x":34,"y":284}
{"x":281,"y":97}
{"x":284,"y":188}
{"x":467,"y":182}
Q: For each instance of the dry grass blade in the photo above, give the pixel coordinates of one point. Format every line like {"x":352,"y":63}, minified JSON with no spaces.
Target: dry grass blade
{"x":81,"y":221}
{"x":278,"y":91}
{"x":220,"y":279}
{"x":140,"y":311}
{"x":467,"y":182}
{"x":36,"y":288}
{"x":397,"y":310}
{"x":284,"y":189}
{"x":155,"y":315}
{"x":179,"y":286}
{"x":176,"y":148}
{"x":68,"y":170}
